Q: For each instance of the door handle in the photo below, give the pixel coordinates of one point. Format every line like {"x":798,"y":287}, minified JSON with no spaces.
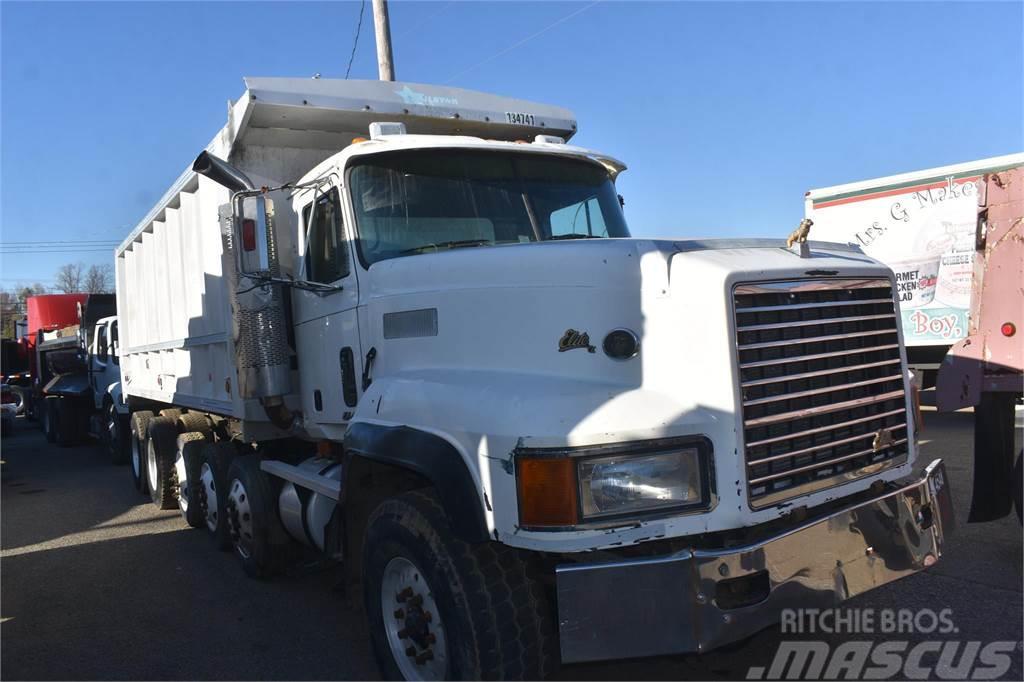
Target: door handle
{"x":367,"y":366}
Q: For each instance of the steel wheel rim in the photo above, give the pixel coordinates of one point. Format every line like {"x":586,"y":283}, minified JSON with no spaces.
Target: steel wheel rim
{"x":151,"y":468}
{"x":240,"y":519}
{"x":412,"y":622}
{"x":179,"y":468}
{"x":208,"y":491}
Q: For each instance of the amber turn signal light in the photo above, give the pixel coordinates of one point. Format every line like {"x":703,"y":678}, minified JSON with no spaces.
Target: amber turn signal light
{"x":547,"y":492}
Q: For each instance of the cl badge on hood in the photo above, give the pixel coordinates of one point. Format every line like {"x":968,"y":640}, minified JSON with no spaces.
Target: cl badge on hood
{"x":573,"y":339}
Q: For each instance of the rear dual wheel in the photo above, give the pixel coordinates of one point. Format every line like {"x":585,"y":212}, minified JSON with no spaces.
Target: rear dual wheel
{"x":161,"y":449}
{"x":137,"y":449}
{"x":257,"y":536}
{"x":188,"y":461}
{"x":211,"y":490}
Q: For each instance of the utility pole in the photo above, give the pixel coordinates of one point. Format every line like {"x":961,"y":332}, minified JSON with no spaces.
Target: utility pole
{"x":382,"y":29}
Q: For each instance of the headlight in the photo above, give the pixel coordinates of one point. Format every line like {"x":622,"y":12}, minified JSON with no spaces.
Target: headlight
{"x":565,"y":488}
{"x":625,"y":483}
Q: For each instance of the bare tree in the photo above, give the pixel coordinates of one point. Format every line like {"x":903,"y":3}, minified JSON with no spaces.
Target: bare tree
{"x":9,"y":312}
{"x":99,"y":279}
{"x":68,"y":279}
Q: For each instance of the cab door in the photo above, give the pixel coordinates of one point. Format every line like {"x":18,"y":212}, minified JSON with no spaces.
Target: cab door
{"x":326,"y":325}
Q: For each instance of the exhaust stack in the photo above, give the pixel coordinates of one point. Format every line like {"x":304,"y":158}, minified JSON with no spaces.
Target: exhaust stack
{"x":221,"y":172}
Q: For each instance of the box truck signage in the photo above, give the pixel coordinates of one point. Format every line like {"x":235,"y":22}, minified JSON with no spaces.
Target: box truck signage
{"x":923,"y":227}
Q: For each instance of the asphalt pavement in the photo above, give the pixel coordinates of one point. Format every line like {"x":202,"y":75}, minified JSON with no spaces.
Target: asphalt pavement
{"x":96,"y":583}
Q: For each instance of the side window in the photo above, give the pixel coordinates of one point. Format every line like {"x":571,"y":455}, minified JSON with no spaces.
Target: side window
{"x":115,"y":350}
{"x":101,"y":344}
{"x":582,"y":218}
{"x":327,"y":252}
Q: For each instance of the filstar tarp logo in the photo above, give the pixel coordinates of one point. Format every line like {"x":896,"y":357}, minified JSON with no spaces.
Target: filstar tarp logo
{"x":410,"y":96}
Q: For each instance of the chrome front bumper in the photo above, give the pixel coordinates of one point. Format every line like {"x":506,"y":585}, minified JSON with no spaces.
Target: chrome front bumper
{"x":685,"y":602}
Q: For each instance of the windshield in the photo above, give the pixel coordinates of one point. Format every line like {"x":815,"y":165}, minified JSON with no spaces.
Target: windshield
{"x":423,"y":201}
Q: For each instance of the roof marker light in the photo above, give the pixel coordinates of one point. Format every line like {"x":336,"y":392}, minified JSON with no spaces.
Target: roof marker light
{"x":380,"y":128}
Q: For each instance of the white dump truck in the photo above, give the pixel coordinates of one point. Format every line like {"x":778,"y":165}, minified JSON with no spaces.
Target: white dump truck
{"x":406,"y":326}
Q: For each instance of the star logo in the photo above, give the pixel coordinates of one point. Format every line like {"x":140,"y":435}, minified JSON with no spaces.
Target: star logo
{"x":410,"y":96}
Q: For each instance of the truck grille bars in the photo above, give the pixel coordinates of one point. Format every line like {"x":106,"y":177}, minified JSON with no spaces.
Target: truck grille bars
{"x":821,"y":384}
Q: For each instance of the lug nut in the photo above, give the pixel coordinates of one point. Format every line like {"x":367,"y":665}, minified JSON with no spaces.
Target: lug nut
{"x":403,"y":633}
{"x":427,"y":655}
{"x":430,"y":638}
{"x":404,"y":594}
{"x":428,"y":616}
{"x":410,"y":652}
{"x":399,"y":614}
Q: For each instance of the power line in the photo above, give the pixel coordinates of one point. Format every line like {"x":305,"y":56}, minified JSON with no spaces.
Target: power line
{"x":355,"y":43}
{"x":525,"y":40}
{"x":66,"y":241}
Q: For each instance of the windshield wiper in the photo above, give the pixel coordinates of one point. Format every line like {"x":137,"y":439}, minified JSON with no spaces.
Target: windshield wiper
{"x":571,"y":235}
{"x":446,"y":245}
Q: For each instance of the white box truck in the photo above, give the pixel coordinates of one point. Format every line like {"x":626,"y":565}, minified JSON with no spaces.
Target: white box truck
{"x":922,"y":225}
{"x":406,"y":326}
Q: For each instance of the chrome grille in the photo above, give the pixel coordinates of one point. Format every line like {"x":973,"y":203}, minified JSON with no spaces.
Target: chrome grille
{"x":821,"y":384}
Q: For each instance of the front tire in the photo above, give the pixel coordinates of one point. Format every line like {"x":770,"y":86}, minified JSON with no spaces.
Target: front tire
{"x":458,"y":611}
{"x":49,"y":421}
{"x":115,"y":435}
{"x":67,"y":426}
{"x":161,"y":447}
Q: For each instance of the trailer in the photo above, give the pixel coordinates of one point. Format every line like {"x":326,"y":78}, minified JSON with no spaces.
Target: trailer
{"x":405,"y":327}
{"x":985,"y":370}
{"x":922,"y":225}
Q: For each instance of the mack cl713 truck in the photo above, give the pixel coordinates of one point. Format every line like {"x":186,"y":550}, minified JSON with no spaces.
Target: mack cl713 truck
{"x":406,"y":326}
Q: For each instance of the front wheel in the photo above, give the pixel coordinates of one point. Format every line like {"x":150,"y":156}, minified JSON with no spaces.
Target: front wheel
{"x":115,"y":435}
{"x":440,"y":608}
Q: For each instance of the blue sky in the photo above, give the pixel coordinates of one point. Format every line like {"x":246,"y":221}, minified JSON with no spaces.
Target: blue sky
{"x":726,"y":113}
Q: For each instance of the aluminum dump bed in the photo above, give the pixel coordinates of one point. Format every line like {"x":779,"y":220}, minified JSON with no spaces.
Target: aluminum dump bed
{"x":176,"y":340}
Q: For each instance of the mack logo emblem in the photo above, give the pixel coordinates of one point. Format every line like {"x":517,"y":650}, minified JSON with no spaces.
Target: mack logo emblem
{"x":883,"y":439}
{"x":573,"y":339}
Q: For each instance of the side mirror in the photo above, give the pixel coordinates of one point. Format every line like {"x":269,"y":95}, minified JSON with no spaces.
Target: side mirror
{"x":253,"y":228}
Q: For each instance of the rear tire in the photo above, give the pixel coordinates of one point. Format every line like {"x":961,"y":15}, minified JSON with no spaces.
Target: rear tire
{"x":161,"y":447}
{"x":137,"y":450}
{"x":492,"y":617}
{"x":257,"y":536}
{"x":187,"y":462}
{"x":212,"y":494}
{"x":195,"y":421}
